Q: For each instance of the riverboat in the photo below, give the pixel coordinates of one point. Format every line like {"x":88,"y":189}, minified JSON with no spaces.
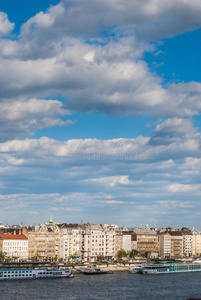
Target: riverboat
{"x":16,"y":274}
{"x":136,"y":270}
{"x":170,"y":269}
{"x":94,"y":271}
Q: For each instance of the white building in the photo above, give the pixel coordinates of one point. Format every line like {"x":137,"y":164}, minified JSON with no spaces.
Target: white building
{"x":187,"y":245}
{"x":126,"y":242}
{"x":14,"y":245}
{"x":110,"y":243}
{"x":164,"y":245}
{"x":93,"y":242}
{"x":70,"y":242}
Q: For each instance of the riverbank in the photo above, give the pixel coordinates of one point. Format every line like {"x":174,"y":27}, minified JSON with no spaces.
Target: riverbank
{"x":109,"y":268}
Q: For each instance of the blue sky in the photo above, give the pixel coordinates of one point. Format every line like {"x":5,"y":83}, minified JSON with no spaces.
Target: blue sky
{"x":100,"y":112}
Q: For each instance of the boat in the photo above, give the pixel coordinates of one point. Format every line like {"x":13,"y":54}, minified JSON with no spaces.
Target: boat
{"x":170,"y":269}
{"x":136,"y":270}
{"x":16,"y":274}
{"x":94,"y":271}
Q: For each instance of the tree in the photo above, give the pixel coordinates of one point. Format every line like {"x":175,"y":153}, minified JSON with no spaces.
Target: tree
{"x":121,"y":253}
{"x":133,"y":253}
{"x":2,"y":255}
{"x":74,"y":255}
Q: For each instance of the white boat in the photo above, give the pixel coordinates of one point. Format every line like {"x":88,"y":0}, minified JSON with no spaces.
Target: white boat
{"x":16,"y":274}
{"x":136,"y":270}
{"x":170,"y":269}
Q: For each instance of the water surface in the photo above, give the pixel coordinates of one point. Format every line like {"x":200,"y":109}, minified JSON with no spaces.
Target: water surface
{"x":117,"y":286}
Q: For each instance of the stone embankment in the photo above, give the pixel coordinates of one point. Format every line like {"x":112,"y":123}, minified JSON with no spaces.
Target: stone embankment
{"x":109,"y":268}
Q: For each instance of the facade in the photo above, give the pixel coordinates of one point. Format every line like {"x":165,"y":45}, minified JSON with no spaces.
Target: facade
{"x":70,"y":241}
{"x":110,"y":243}
{"x":118,"y":241}
{"x":14,"y":245}
{"x":164,"y":245}
{"x":127,"y":241}
{"x":196,"y":243}
{"x":176,"y":244}
{"x":92,"y":242}
{"x":44,"y":242}
{"x":147,"y":242}
{"x":187,"y":245}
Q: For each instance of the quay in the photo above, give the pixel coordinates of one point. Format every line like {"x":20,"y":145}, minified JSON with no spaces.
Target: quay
{"x":110,"y":267}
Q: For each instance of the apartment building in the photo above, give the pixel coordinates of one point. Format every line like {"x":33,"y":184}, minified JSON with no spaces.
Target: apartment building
{"x":147,"y":242}
{"x":93,"y":245}
{"x":70,"y":241}
{"x":14,"y":245}
{"x":118,"y":241}
{"x":164,"y":245}
{"x":176,"y":244}
{"x":44,"y":242}
{"x":196,"y":243}
{"x":110,"y":234}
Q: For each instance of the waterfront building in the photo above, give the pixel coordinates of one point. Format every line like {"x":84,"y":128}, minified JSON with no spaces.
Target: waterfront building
{"x":14,"y":245}
{"x":118,"y":241}
{"x":92,"y":242}
{"x":127,"y":240}
{"x":44,"y":242}
{"x":70,"y":241}
{"x":196,"y":242}
{"x":110,"y":242}
{"x":147,"y":241}
{"x":164,"y":245}
{"x":176,"y":244}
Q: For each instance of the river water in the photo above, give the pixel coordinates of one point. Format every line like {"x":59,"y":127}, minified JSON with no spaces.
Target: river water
{"x":117,"y":286}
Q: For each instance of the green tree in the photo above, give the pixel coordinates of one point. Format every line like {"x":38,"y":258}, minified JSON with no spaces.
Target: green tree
{"x":133,"y":253}
{"x":121,"y":253}
{"x":2,"y":255}
{"x":74,"y":255}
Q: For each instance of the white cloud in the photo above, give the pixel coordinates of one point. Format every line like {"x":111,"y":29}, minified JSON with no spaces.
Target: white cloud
{"x":5,"y":25}
{"x":184,"y":188}
{"x":112,"y":180}
{"x":139,"y":17}
{"x":20,"y":118}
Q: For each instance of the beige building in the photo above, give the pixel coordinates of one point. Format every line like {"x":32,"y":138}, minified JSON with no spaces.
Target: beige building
{"x":14,"y":245}
{"x":118,"y":241}
{"x":44,"y":242}
{"x":147,"y":242}
{"x":176,"y":244}
{"x":196,"y":243}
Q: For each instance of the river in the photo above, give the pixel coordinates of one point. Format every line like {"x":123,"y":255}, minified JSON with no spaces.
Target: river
{"x":117,"y":286}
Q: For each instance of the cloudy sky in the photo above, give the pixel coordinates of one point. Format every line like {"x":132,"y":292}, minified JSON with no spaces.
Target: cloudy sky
{"x":100,"y":106}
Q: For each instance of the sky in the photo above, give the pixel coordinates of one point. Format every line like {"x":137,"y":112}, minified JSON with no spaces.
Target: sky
{"x":100,"y":106}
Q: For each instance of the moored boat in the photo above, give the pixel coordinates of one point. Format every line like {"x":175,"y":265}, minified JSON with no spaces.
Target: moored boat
{"x":94,"y":271}
{"x":16,"y":274}
{"x":170,"y":269}
{"x":136,"y":270}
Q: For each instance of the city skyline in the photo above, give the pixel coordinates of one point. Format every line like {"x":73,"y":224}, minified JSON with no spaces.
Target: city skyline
{"x":100,"y":112}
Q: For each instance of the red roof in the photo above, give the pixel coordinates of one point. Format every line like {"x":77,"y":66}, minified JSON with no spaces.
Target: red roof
{"x":5,"y":236}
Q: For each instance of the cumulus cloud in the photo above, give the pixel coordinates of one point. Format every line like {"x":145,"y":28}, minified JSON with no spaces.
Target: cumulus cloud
{"x":95,"y":63}
{"x":122,"y":84}
{"x":172,"y":130}
{"x":49,"y":59}
{"x":131,"y":172}
{"x":136,"y":17}
{"x":5,"y":25}
{"x":20,"y":118}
